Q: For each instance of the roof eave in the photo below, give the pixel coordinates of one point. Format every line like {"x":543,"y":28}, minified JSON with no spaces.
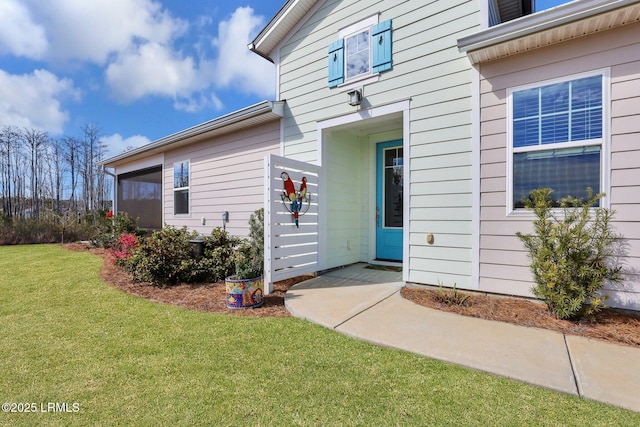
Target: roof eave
{"x":538,"y":22}
{"x":279,"y":26}
{"x":267,"y":110}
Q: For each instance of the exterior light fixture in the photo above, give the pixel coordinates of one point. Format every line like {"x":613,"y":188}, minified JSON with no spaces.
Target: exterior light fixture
{"x":355,"y":97}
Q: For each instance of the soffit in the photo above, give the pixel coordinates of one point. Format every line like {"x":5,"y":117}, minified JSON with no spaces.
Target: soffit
{"x":566,"y":22}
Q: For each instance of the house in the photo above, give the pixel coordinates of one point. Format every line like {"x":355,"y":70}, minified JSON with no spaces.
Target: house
{"x":559,"y":104}
{"x":192,"y":177}
{"x":399,"y":117}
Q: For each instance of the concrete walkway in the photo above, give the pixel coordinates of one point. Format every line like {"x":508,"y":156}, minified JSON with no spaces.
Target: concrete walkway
{"x":367,"y":304}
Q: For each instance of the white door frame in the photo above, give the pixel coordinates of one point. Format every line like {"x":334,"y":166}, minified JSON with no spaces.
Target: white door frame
{"x":324,"y":126}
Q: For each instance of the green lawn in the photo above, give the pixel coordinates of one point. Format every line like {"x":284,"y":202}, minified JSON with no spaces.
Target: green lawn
{"x":67,"y":337}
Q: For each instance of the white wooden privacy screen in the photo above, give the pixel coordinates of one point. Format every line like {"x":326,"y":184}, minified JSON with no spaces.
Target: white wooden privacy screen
{"x":290,"y":250}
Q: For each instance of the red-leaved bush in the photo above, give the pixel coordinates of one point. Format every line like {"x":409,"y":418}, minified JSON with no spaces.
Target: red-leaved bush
{"x":123,"y":248}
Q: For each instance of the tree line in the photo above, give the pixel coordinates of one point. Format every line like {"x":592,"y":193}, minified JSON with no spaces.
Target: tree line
{"x":43,"y":176}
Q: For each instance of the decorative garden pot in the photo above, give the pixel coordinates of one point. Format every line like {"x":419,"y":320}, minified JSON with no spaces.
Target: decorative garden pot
{"x":244,"y":293}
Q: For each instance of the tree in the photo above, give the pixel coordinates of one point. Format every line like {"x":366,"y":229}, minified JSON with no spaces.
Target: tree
{"x":71,"y":156}
{"x":35,"y":141}
{"x":9,"y":137}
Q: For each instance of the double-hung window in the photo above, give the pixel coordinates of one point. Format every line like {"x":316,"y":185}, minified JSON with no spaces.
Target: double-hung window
{"x":557,"y":137}
{"x":181,"y":188}
{"x":363,"y":50}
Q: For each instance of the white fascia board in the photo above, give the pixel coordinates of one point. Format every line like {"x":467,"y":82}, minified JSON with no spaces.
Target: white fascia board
{"x":280,"y":26}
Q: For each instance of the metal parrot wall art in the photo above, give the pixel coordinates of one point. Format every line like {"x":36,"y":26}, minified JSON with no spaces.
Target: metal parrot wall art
{"x":296,"y":202}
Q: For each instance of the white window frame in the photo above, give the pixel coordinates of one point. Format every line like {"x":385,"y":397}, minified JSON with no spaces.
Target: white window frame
{"x":604,"y":142}
{"x":187,"y":188}
{"x":350,"y":31}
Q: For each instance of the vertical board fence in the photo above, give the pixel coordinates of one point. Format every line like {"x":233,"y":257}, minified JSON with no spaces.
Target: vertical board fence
{"x":290,"y":249}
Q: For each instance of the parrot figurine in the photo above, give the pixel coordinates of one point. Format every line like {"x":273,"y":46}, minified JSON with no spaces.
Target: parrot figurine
{"x":290,"y":193}
{"x":303,"y":189}
{"x":289,"y":189}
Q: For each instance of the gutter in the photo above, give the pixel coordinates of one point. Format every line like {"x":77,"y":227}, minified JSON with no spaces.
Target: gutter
{"x":267,"y":30}
{"x":263,"y":108}
{"x":537,"y":22}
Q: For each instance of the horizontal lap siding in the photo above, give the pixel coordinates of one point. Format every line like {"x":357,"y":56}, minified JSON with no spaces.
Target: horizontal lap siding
{"x":227,"y":174}
{"x":504,"y":263}
{"x":428,"y":69}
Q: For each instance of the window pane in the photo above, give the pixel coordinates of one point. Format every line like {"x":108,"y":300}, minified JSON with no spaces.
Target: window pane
{"x":525,"y":103}
{"x":181,"y":202}
{"x":555,"y":128}
{"x":393,"y":170}
{"x":357,"y":58}
{"x":181,"y":175}
{"x":555,"y":98}
{"x":586,"y":125}
{"x":526,"y":132}
{"x":587,"y":93}
{"x":568,"y":172}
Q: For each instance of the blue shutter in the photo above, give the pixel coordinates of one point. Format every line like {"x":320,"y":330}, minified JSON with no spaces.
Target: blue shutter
{"x":381,"y":46}
{"x":336,"y":63}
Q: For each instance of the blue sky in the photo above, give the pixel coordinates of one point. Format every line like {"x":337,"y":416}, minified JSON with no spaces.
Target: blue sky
{"x":547,"y":4}
{"x":138,"y":69}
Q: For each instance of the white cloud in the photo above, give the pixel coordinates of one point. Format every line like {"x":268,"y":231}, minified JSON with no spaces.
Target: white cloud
{"x":236,"y":66}
{"x":96,"y":30}
{"x":33,"y":100}
{"x":152,"y":69}
{"x":156,"y":69}
{"x":197,"y":103}
{"x":135,"y":43}
{"x":116,"y":144}
{"x":19,"y":35}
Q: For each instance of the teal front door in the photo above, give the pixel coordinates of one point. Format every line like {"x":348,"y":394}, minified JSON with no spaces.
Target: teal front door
{"x":389,"y":205}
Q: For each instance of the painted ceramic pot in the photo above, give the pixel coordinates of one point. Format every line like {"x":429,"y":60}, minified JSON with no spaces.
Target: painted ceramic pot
{"x":244,"y":293}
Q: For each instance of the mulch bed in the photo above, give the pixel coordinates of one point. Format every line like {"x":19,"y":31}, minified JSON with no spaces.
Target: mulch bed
{"x":610,"y":325}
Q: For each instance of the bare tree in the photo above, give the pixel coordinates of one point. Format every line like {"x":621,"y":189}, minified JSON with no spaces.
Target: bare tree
{"x":91,"y":152}
{"x":71,"y":155}
{"x":56,"y":170}
{"x":9,"y":138}
{"x":35,"y":141}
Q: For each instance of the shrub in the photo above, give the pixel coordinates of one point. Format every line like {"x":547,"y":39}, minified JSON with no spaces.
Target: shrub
{"x":123,"y":248}
{"x":109,"y":227}
{"x":218,"y":261}
{"x":572,"y":253}
{"x":165,"y":258}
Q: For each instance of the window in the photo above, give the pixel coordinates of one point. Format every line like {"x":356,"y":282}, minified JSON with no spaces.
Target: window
{"x":181,"y":188}
{"x":357,"y":57}
{"x":363,"y":49}
{"x":506,"y":10}
{"x":557,"y":138}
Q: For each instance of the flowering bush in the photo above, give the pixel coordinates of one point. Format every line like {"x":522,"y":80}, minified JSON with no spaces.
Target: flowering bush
{"x":123,"y":248}
{"x":110,"y":227}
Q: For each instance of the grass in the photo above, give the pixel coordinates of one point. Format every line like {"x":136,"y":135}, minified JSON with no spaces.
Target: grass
{"x":67,"y":337}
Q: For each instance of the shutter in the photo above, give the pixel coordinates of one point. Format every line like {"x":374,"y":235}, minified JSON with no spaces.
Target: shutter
{"x":336,"y":63}
{"x":381,"y":46}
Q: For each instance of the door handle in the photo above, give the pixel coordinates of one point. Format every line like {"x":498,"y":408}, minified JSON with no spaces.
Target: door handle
{"x":377,"y":216}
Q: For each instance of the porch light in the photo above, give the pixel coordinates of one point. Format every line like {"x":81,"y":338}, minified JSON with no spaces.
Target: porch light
{"x":355,"y":97}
